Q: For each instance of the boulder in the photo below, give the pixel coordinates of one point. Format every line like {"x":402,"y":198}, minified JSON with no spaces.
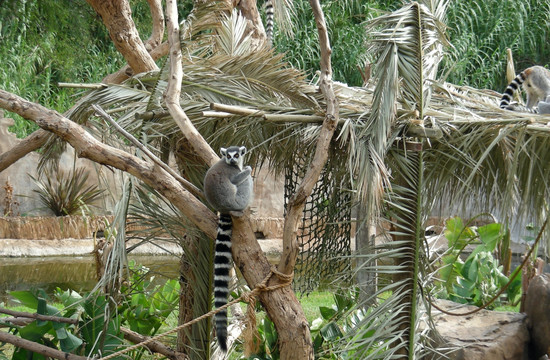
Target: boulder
{"x":537,"y":307}
{"x":485,"y":335}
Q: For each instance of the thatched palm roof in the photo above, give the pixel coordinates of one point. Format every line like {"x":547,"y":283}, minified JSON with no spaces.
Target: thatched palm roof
{"x":470,"y":145}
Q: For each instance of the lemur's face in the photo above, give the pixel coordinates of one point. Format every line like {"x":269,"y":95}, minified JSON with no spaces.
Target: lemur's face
{"x":233,"y":154}
{"x":232,"y":157}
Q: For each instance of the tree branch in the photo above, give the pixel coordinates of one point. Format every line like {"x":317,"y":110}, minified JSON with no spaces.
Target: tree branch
{"x":157,"y":18}
{"x":32,"y":142}
{"x":117,"y":17}
{"x":87,"y":146}
{"x":19,"y":314}
{"x":173,"y":91}
{"x":153,"y":45}
{"x":297,"y":202}
{"x":38,"y":348}
{"x":153,"y":346}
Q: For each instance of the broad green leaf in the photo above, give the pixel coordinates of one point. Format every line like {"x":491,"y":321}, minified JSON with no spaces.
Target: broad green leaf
{"x":68,"y":342}
{"x":455,"y":232}
{"x":490,"y":235}
{"x":326,"y":312}
{"x":26,"y":298}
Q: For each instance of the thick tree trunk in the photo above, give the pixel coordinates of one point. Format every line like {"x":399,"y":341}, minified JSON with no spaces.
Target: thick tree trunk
{"x":117,"y":17}
{"x":283,"y":307}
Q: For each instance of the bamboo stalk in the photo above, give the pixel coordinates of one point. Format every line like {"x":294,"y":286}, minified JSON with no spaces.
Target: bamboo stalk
{"x":237,"y":110}
{"x":295,"y":118}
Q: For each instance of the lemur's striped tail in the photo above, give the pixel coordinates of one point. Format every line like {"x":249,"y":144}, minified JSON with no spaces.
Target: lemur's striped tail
{"x":511,"y":89}
{"x":222,"y":265}
{"x":269,"y":20}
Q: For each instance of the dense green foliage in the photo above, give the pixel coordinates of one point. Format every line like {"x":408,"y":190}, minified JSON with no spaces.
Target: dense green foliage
{"x":482,"y":30}
{"x":479,"y":278}
{"x":46,"y":42}
{"x":143,"y":307}
{"x":42,"y":51}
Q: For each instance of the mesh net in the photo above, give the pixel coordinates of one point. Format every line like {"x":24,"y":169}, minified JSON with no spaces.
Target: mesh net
{"x":324,"y":233}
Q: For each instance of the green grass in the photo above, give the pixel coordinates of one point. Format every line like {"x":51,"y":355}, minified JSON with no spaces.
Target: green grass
{"x":310,"y":304}
{"x":508,"y":308}
{"x":313,"y":301}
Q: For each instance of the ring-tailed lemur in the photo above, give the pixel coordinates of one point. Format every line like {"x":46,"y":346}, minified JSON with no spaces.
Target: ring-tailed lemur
{"x":536,"y":83}
{"x":227,"y":187}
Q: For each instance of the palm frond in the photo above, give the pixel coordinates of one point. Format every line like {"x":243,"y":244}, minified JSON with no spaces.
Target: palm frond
{"x":419,"y":38}
{"x":232,"y":38}
{"x":116,"y":263}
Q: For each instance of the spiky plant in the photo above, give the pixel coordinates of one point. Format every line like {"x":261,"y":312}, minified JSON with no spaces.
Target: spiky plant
{"x":66,"y":193}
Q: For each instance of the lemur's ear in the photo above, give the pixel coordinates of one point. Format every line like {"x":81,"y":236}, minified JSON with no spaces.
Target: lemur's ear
{"x":223,"y":151}
{"x":242,"y":150}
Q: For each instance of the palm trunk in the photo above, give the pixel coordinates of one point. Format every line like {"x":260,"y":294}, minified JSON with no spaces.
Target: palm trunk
{"x":407,"y":228}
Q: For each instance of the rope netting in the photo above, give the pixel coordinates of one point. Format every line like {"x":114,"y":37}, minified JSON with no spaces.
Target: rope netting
{"x":325,"y":231}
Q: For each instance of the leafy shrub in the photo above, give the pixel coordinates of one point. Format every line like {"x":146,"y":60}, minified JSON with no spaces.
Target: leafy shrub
{"x":144,"y":308}
{"x":66,"y":193}
{"x":479,"y":278}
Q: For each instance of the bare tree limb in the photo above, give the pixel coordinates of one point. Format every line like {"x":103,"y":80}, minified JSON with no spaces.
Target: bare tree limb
{"x":117,"y":17}
{"x":173,"y":91}
{"x":153,"y":346}
{"x":157,"y":18}
{"x":32,"y":142}
{"x":38,"y":348}
{"x":153,"y":45}
{"x":87,"y":146}
{"x":38,"y":316}
{"x":192,"y":188}
{"x":297,"y":202}
{"x":126,"y":71}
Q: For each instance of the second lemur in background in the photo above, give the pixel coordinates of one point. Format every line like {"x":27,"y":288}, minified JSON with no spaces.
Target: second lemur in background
{"x":536,"y":83}
{"x":228,"y":187}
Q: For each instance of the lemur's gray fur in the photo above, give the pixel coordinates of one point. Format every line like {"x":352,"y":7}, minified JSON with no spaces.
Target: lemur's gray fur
{"x":536,"y":83}
{"x":228,"y":187}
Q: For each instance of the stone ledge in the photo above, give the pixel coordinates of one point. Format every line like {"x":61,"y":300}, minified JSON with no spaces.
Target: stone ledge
{"x":67,"y":247}
{"x":485,"y":335}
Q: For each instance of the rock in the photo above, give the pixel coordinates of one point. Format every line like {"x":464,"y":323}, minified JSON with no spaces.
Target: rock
{"x":537,"y":307}
{"x":485,"y":335}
